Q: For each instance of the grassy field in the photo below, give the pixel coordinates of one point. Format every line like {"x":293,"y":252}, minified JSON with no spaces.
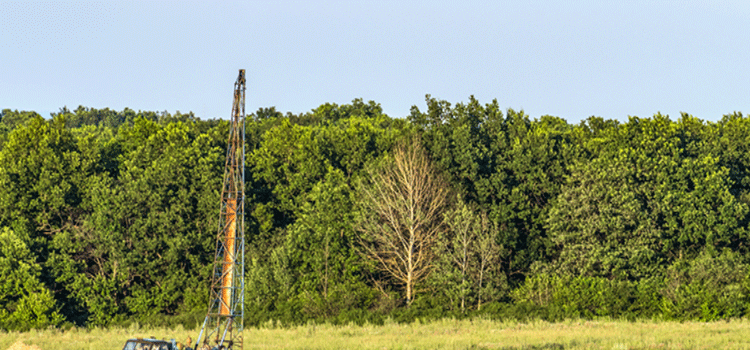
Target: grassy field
{"x":445,"y":334}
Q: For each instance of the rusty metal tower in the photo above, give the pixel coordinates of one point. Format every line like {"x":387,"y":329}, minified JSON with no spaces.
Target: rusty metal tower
{"x":224,"y":323}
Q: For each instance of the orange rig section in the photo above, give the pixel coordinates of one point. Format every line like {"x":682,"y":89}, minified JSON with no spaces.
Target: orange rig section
{"x":227,"y":273}
{"x":223,"y":325}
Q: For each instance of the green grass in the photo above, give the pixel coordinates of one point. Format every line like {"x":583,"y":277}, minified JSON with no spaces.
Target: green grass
{"x":444,"y":334}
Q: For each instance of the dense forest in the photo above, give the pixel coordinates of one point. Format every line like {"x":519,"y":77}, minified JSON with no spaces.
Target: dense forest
{"x":109,"y":217}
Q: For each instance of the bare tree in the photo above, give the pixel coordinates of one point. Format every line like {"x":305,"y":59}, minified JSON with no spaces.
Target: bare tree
{"x":488,"y":253}
{"x":468,"y":255}
{"x":402,"y":205}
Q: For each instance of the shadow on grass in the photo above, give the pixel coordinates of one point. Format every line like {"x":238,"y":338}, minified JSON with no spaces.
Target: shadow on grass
{"x":551,"y":346}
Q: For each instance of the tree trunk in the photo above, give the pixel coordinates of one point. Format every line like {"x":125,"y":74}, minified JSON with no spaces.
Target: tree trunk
{"x":409,"y":282}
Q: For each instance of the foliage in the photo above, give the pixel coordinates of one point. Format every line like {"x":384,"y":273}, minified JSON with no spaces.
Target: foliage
{"x":633,"y":209}
{"x":509,"y":165}
{"x":564,"y":297}
{"x":710,"y":287}
{"x":467,"y":255}
{"x":26,"y":302}
{"x":109,"y":217}
{"x":304,"y":170}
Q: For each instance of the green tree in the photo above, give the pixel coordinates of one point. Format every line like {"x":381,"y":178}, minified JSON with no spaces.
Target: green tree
{"x":14,"y":118}
{"x":25,"y":302}
{"x":145,"y":241}
{"x":645,"y":200}
{"x":42,"y":180}
{"x":38,"y":192}
{"x":729,"y":140}
{"x":708,"y":287}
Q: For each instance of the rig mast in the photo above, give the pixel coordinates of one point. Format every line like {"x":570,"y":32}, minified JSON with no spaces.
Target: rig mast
{"x":226,"y":306}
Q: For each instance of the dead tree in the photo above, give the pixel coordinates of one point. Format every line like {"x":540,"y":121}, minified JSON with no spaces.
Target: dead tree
{"x":402,"y":205}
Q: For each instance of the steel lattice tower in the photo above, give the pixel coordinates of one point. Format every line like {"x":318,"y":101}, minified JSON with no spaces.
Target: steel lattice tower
{"x":224,"y":323}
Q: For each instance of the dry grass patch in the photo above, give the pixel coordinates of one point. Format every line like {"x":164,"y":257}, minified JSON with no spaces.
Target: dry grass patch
{"x":19,"y":345}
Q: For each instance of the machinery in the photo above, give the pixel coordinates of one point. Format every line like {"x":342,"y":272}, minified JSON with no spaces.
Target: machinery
{"x":224,"y":322}
{"x":150,"y":344}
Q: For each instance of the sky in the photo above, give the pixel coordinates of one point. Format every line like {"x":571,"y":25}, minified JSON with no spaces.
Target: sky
{"x":571,"y":59}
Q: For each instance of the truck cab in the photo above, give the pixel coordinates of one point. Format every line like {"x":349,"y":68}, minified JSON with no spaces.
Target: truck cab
{"x":150,"y":344}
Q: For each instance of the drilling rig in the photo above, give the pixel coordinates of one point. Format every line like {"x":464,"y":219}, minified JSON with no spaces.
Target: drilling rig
{"x":224,"y":321}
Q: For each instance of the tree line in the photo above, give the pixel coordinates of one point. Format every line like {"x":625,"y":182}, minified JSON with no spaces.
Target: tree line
{"x":109,"y":217}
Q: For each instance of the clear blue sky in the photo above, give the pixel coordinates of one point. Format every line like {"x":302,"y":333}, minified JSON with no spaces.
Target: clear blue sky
{"x":571,"y":59}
